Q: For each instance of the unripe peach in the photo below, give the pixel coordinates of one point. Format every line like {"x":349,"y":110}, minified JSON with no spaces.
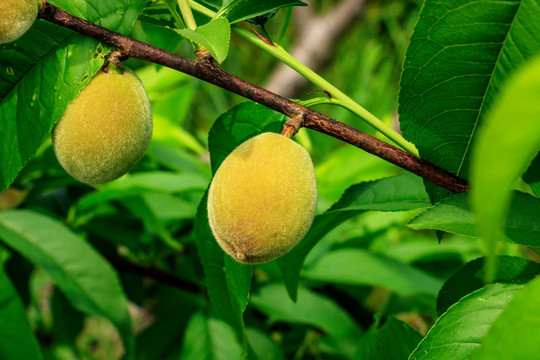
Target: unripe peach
{"x":105,"y":131}
{"x":262,"y":199}
{"x":16,"y":17}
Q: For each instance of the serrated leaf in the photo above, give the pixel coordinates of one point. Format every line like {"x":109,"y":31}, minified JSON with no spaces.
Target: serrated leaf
{"x":454,"y":215}
{"x":87,"y":280}
{"x":457,"y":333}
{"x":209,"y":339}
{"x":460,"y":54}
{"x":471,"y":277}
{"x":17,"y":340}
{"x":506,"y":144}
{"x":247,"y":9}
{"x":214,"y":36}
{"x":397,"y":193}
{"x":46,"y":69}
{"x":394,"y":340}
{"x":238,"y":124}
{"x":360,"y":267}
{"x":515,"y":335}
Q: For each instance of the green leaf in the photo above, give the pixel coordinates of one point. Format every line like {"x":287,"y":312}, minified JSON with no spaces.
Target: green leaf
{"x":263,"y":345}
{"x":397,"y":193}
{"x":457,"y":333}
{"x":460,"y":54}
{"x":17,"y":340}
{"x":247,"y":9}
{"x":453,"y":215}
{"x":214,"y":36}
{"x":506,"y":145}
{"x":311,"y":309}
{"x":515,"y":335}
{"x":238,"y":124}
{"x":136,"y":184}
{"x":46,"y":69}
{"x":87,"y":280}
{"x":162,"y":337}
{"x":67,"y":322}
{"x":532,"y":176}
{"x":360,"y":267}
{"x":394,"y":340}
{"x":471,"y":277}
{"x":227,"y":281}
{"x":209,"y":339}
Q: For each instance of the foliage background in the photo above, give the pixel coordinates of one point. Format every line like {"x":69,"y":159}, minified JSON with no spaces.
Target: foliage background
{"x":366,"y":283}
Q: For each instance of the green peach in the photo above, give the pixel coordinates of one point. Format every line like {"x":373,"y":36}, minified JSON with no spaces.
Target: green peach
{"x":16,"y":17}
{"x":105,"y":131}
{"x":262,"y":199}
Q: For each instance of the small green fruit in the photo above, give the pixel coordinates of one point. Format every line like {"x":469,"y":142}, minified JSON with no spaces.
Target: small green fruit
{"x":262,"y":199}
{"x":16,"y":17}
{"x":105,"y":130}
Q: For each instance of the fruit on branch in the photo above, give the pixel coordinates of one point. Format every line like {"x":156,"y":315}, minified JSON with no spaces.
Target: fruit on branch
{"x":16,"y":17}
{"x":262,"y":199}
{"x":105,"y":131}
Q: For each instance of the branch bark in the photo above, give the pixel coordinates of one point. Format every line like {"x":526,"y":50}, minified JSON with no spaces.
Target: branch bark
{"x":209,"y":72}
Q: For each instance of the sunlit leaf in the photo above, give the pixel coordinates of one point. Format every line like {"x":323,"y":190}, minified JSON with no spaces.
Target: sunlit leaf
{"x":214,"y":36}
{"x":460,"y":54}
{"x":454,"y":215}
{"x":515,"y":335}
{"x":457,"y":333}
{"x":507,"y":143}
{"x":360,"y":267}
{"x":471,"y":277}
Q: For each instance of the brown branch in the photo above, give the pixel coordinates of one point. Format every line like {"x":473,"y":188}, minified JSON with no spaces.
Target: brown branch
{"x":208,"y":71}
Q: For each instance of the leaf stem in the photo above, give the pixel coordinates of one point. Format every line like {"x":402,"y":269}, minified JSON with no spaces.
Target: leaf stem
{"x":175,"y":15}
{"x":201,"y":9}
{"x":342,"y":99}
{"x":187,"y":15}
{"x":318,"y":101}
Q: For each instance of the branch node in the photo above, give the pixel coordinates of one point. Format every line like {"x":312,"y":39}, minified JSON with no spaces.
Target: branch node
{"x":293,"y":125}
{"x":204,"y":56}
{"x":114,"y":61}
{"x":262,"y":37}
{"x":322,"y":91}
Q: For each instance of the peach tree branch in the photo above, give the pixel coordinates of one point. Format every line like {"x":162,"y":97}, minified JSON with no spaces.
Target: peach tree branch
{"x":206,"y":70}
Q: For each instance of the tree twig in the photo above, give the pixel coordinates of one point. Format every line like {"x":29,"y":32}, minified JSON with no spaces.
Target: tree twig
{"x":208,"y":71}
